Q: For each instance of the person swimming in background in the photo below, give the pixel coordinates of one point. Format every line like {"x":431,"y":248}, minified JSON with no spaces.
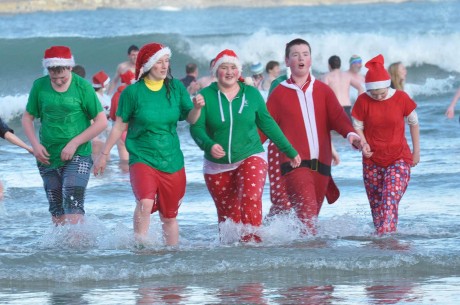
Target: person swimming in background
{"x":130,"y":64}
{"x":79,"y":70}
{"x":127,"y":79}
{"x":205,"y":81}
{"x":100,"y":82}
{"x":340,"y":82}
{"x":272,"y":68}
{"x":398,"y":74}
{"x":356,"y":63}
{"x":450,"y":112}
{"x":257,"y":75}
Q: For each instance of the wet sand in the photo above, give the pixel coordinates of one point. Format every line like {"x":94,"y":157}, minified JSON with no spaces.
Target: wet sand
{"x":27,"y":6}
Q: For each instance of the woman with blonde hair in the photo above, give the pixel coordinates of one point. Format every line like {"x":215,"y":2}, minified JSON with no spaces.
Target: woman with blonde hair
{"x":398,"y":74}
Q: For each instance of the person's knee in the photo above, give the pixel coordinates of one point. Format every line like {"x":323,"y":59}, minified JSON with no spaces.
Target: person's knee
{"x":168,"y":220}
{"x":74,"y":200}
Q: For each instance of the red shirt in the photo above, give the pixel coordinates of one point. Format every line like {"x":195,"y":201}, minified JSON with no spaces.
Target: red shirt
{"x":384,"y":126}
{"x":283,"y":105}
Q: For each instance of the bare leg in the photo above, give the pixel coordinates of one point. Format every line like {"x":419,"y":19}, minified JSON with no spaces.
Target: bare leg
{"x":141,"y":218}
{"x":170,"y":230}
{"x":122,"y":152}
{"x":58,"y":220}
{"x":73,"y":219}
{"x":1,"y":190}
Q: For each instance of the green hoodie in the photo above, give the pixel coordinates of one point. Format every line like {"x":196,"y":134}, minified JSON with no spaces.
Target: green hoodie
{"x":234,"y":125}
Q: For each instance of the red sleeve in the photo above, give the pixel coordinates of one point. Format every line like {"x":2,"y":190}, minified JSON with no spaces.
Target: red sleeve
{"x":114,"y":105}
{"x":358,"y":110}
{"x":409,"y":104}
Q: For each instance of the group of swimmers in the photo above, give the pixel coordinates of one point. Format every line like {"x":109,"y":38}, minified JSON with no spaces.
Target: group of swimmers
{"x":229,"y":120}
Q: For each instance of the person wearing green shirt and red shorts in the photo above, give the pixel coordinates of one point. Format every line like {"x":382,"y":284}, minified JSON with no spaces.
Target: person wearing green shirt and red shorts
{"x":149,"y":110}
{"x":65,"y":103}
{"x":235,"y":168}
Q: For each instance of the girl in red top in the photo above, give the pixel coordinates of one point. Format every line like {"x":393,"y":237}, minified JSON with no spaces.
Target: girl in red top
{"x":379,"y":118}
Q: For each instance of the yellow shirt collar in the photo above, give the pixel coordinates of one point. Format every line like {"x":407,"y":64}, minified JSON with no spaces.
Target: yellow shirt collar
{"x":153,"y":84}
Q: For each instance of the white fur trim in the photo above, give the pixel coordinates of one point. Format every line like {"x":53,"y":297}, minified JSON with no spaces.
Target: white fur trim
{"x":228,"y":60}
{"x":307,"y":107}
{"x":107,"y":81}
{"x":58,"y":62}
{"x":378,"y":85}
{"x":152,"y":60}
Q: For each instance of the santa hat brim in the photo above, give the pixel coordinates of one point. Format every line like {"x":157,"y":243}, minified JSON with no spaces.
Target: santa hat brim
{"x":378,"y":85}
{"x":152,"y":60}
{"x":107,"y":81}
{"x":227,"y":60}
{"x":58,"y":62}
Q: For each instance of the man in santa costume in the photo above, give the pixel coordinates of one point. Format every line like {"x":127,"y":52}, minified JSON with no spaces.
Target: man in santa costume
{"x":306,"y":110}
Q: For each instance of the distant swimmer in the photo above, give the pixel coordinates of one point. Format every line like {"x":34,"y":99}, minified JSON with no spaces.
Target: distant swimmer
{"x":450,"y":112}
{"x":130,"y":64}
{"x":398,"y":73}
{"x":340,"y":83}
{"x":209,"y":79}
{"x":356,"y":63}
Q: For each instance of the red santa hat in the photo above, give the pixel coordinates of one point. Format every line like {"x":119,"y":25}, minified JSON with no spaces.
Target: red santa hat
{"x":228,"y":57}
{"x":58,"y":56}
{"x":128,"y":77}
{"x":149,"y":55}
{"x":100,"y":79}
{"x":377,"y":76}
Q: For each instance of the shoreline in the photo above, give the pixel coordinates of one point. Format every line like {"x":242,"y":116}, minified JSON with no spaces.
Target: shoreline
{"x":27,"y":6}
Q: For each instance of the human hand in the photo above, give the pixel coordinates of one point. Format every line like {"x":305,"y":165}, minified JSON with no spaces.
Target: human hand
{"x":41,"y":154}
{"x":415,"y":158}
{"x":198,"y":101}
{"x":100,"y":164}
{"x":355,"y":142}
{"x":450,"y":112}
{"x":335,"y":157}
{"x":366,"y":149}
{"x":68,"y":151}
{"x":217,"y":151}
{"x":295,"y":162}
{"x":193,"y":87}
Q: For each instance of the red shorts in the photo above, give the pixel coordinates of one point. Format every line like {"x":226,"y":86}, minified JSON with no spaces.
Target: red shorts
{"x":166,"y":189}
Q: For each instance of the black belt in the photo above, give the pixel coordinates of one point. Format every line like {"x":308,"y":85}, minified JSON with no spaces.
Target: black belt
{"x":314,"y":165}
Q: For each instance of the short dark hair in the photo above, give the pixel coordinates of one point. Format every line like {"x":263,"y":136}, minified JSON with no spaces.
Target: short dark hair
{"x":190,"y":68}
{"x":132,"y":48}
{"x":270,"y":65}
{"x":294,"y":42}
{"x":79,"y":70}
{"x":58,"y":69}
{"x":335,"y":62}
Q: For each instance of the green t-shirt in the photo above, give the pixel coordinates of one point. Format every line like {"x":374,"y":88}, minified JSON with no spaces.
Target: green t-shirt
{"x":234,"y":125}
{"x":63,"y":115}
{"x":152,"y":124}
